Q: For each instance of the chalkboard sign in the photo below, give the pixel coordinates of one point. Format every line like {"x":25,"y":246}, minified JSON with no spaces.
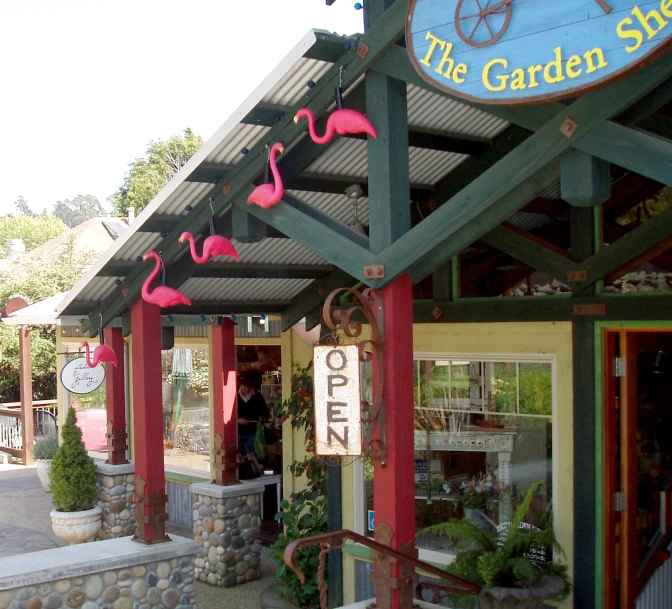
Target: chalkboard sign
{"x":513,"y":52}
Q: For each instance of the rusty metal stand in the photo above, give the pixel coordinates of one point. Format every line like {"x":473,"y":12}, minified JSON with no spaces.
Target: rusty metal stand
{"x":385,"y":577}
{"x":116,"y":445}
{"x":225,"y":460}
{"x":150,"y":515}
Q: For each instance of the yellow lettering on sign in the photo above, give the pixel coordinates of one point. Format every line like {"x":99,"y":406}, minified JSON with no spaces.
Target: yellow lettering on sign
{"x":532,"y":70}
{"x":666,"y":7}
{"x":461,"y":70}
{"x":446,"y":59}
{"x":572,"y":62}
{"x":590,"y":55}
{"x":502,"y":79}
{"x":557,"y":65}
{"x":625,"y":34}
{"x":646,"y":21}
{"x":518,"y":80}
{"x":435,"y":41}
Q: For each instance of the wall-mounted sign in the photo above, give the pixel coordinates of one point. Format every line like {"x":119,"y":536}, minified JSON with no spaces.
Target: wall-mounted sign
{"x":338,"y":408}
{"x":77,"y":377}
{"x":525,"y":51}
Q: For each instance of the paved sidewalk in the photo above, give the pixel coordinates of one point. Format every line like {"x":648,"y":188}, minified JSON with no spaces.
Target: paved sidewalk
{"x":25,"y":526}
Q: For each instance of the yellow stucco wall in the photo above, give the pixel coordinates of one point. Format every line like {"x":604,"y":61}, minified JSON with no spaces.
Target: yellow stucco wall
{"x":494,"y":338}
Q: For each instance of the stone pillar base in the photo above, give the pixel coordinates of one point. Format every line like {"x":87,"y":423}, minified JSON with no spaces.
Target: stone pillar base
{"x":227,"y":520}
{"x":115,"y":486}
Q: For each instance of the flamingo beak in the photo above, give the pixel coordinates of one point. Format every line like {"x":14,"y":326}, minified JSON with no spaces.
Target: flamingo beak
{"x":180,"y":240}
{"x":145,"y":257}
{"x":281,"y":149}
{"x":296,"y":119}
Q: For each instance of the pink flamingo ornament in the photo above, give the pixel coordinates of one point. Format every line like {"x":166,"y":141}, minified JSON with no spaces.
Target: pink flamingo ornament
{"x":162,"y":295}
{"x":268,"y":195}
{"x":342,"y":121}
{"x":102,"y":353}
{"x":215,"y":245}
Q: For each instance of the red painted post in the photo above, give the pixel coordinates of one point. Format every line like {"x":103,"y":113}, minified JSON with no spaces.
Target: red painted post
{"x":115,"y":399}
{"x":394,"y":484}
{"x":224,"y":398}
{"x":150,"y":491}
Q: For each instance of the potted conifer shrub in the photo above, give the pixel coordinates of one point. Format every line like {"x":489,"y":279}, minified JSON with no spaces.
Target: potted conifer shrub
{"x":44,"y":452}
{"x":75,"y":518}
{"x":514,"y":566}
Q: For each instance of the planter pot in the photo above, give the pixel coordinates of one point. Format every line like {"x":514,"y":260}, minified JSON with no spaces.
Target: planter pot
{"x":76,"y":527}
{"x":521,"y":598}
{"x":477,"y":517}
{"x":42,"y":466}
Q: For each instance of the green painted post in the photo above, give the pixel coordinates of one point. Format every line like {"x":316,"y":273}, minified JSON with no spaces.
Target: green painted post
{"x":585,"y":179}
{"x":585,"y":191}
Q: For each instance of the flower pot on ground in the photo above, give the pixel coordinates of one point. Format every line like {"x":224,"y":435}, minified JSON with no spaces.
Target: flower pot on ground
{"x":514,"y":565}
{"x":75,"y":518}
{"x":44,"y":452}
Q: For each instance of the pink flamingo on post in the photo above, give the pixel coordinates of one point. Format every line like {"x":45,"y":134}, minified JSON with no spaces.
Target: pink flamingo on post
{"x":162,"y":295}
{"x":342,"y":121}
{"x":215,"y":245}
{"x":102,"y":353}
{"x":268,"y":195}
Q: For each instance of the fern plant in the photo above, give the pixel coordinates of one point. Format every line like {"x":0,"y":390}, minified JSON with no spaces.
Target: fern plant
{"x":517,"y":557}
{"x":73,"y":472}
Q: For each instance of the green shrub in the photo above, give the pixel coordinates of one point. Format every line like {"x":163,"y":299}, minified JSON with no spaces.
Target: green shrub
{"x":73,"y":472}
{"x":502,"y":559}
{"x":46,"y":448}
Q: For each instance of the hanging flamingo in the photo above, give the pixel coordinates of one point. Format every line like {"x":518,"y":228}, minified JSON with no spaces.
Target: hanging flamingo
{"x":342,"y":121}
{"x":162,"y":295}
{"x":102,"y":353}
{"x":215,"y":245}
{"x":268,"y":195}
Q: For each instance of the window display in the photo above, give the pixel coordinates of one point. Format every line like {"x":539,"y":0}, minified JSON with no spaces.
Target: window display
{"x":483,"y":436}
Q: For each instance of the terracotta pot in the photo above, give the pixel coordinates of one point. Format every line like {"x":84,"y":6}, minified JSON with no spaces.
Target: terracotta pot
{"x":42,"y":466}
{"x":521,"y":598}
{"x":76,"y":527}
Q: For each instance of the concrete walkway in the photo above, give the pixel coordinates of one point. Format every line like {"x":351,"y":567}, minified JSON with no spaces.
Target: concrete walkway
{"x":25,"y":526}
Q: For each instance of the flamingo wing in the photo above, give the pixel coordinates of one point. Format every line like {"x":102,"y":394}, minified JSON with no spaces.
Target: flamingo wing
{"x":168,"y":297}
{"x":103,"y":353}
{"x":219,"y":246}
{"x":347,"y":121}
{"x":265,"y":196}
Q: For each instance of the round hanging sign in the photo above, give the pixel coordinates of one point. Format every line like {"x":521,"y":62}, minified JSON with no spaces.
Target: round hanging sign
{"x":77,"y":377}
{"x":513,"y":52}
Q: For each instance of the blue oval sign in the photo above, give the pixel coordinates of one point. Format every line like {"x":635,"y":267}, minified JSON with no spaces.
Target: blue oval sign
{"x":524,"y":51}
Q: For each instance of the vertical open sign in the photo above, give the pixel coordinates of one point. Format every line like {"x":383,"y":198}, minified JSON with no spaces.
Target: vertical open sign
{"x":338,"y":408}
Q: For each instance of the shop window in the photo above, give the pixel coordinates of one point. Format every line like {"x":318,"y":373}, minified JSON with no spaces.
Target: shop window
{"x":186,"y":408}
{"x":91,"y":412}
{"x":483,"y":436}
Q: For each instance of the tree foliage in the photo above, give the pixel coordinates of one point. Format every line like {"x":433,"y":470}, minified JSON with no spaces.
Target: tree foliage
{"x":35,"y":281}
{"x":147,"y":176}
{"x":33,"y":230}
{"x":80,"y":209}
{"x":22,"y":206}
{"x":73,"y":472}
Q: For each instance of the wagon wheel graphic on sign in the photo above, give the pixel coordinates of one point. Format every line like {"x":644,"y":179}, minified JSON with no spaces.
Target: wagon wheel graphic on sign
{"x":481,"y":23}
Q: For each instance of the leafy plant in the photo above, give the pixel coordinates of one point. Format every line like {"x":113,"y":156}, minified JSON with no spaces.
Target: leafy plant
{"x":73,"y":472}
{"x":517,"y":557}
{"x":478,"y":491}
{"x":305,"y":513}
{"x":46,"y":448}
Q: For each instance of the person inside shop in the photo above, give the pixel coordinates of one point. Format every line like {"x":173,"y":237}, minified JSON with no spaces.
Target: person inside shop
{"x":252,"y":409}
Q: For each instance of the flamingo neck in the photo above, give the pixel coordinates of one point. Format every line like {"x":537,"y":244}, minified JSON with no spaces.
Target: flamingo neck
{"x":87,"y":355}
{"x":194,"y":253}
{"x":277,"y":178}
{"x":152,"y":276}
{"x":313,"y":134}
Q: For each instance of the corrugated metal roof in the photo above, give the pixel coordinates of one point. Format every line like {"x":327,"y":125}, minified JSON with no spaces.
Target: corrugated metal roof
{"x":283,"y":88}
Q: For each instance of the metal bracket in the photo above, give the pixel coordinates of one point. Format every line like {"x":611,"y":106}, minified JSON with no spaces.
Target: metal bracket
{"x":576,"y":276}
{"x":363,"y":50}
{"x":375,"y":271}
{"x":569,"y":127}
{"x":590,"y":309}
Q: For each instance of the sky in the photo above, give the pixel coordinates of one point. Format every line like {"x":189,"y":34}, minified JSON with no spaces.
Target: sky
{"x":87,"y":84}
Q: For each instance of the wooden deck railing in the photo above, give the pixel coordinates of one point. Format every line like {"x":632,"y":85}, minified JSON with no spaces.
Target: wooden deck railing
{"x":10,"y":424}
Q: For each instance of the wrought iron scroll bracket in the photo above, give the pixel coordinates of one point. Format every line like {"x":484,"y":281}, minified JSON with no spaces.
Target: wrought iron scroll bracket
{"x":370,"y":306}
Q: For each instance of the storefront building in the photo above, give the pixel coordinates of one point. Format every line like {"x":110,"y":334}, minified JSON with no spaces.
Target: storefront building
{"x":525,"y":289}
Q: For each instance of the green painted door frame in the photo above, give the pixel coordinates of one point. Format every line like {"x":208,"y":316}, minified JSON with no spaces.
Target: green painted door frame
{"x":600,"y":326}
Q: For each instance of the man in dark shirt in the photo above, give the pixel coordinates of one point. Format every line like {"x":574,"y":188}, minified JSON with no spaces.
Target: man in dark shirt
{"x":251,"y":409}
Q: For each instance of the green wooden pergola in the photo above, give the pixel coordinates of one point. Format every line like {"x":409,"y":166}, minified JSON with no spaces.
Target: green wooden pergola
{"x":467,"y":200}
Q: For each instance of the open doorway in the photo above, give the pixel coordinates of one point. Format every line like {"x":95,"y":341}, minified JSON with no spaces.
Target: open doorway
{"x":638,"y":468}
